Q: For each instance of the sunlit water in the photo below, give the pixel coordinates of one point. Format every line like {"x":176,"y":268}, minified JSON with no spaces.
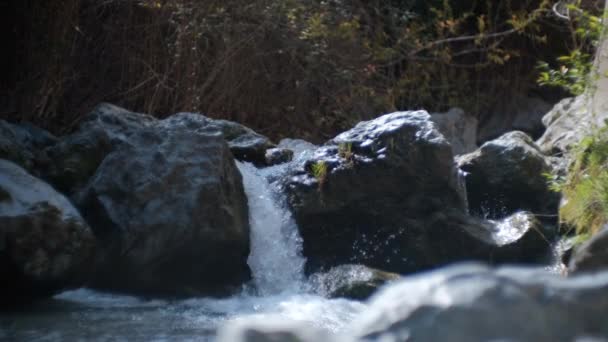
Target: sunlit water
{"x":278,"y":290}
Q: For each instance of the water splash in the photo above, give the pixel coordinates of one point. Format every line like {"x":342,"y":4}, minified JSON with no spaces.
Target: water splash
{"x":275,"y":260}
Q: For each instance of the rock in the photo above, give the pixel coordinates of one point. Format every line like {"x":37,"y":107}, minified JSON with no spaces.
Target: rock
{"x":23,"y":144}
{"x":245,"y":144}
{"x":519,"y":238}
{"x":45,"y":245}
{"x":76,"y":158}
{"x":170,"y":210}
{"x":567,"y":124}
{"x":276,"y":330}
{"x":476,"y":303}
{"x":278,"y":155}
{"x":387,"y":195}
{"x":592,"y":255}
{"x":521,"y":113}
{"x":460,"y":129}
{"x":506,"y":175}
{"x":351,"y":281}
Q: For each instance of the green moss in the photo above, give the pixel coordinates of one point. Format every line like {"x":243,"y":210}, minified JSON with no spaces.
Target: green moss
{"x":319,"y":171}
{"x":586,"y":187}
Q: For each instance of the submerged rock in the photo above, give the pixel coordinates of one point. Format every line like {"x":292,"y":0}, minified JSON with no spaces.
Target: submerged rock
{"x":458,"y":128}
{"x":273,"y":331}
{"x":45,"y":246}
{"x":476,"y":303}
{"x":592,"y":255}
{"x":351,"y":281}
{"x":506,"y":175}
{"x":171,"y":212}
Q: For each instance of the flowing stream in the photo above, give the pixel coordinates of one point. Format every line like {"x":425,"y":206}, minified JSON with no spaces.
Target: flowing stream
{"x":278,"y":290}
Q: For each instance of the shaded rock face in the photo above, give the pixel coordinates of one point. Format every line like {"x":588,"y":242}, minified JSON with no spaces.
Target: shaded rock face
{"x":351,"y":281}
{"x":45,"y":245}
{"x":592,"y":255}
{"x":521,"y":113}
{"x":474,"y":303}
{"x":24,"y":145}
{"x":506,"y":175}
{"x":387,"y":194}
{"x":171,"y":213}
{"x":275,"y":156}
{"x":458,"y":128}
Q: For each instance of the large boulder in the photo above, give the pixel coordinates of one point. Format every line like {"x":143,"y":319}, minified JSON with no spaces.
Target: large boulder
{"x":387,"y":194}
{"x":592,"y":255}
{"x":506,"y":175}
{"x":459,"y":128}
{"x":476,"y":303}
{"x":23,"y":144}
{"x":45,"y":245}
{"x":171,"y":211}
{"x":568,"y":123}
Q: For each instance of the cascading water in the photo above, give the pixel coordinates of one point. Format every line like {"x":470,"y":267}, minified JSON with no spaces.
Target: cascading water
{"x":275,"y":260}
{"x":281,"y":293}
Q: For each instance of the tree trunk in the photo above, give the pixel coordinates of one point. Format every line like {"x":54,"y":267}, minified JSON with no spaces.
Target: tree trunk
{"x":599,"y":95}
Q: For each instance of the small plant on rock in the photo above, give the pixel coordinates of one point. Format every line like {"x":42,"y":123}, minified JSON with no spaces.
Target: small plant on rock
{"x":319,"y":170}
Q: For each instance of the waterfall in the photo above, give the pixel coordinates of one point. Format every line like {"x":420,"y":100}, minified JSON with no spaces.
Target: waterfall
{"x":275,"y":259}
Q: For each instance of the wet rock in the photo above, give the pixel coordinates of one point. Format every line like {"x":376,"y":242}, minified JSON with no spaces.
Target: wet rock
{"x":567,"y":124}
{"x":592,"y":255}
{"x":458,"y":128}
{"x":23,"y":144}
{"x":351,"y":281}
{"x":476,"y":303}
{"x":170,"y":210}
{"x":385,"y":194}
{"x":278,"y":155}
{"x":519,"y":238}
{"x":506,"y":175}
{"x":45,"y":245}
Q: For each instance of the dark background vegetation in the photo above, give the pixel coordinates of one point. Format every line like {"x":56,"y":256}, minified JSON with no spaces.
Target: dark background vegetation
{"x":299,"y":68}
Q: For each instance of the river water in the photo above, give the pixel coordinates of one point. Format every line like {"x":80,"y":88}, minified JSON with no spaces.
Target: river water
{"x":279,"y":289}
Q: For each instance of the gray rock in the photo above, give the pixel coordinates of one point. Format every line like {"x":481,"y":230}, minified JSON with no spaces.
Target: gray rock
{"x":23,"y":144}
{"x":45,"y":245}
{"x":171,"y":212}
{"x":275,"y":156}
{"x":245,"y":144}
{"x":592,"y":255}
{"x":506,"y":175}
{"x":521,"y":113}
{"x":459,"y":128}
{"x":567,"y":124}
{"x":76,"y":157}
{"x":475,"y":303}
{"x":351,"y":281}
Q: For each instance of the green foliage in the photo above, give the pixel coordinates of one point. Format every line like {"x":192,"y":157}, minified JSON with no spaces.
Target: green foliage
{"x":574,"y":71}
{"x":319,"y":170}
{"x":586,"y":187}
